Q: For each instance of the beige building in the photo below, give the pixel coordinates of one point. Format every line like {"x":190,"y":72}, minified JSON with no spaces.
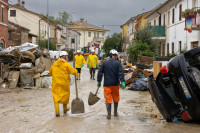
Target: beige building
{"x":90,"y":34}
{"x":36,"y":23}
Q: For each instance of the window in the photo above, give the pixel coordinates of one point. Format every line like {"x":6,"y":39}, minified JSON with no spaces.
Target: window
{"x":173,"y":12}
{"x":163,"y":50}
{"x":172,"y":48}
{"x":194,"y":44}
{"x":164,"y":20}
{"x":2,"y":14}
{"x":103,"y":34}
{"x":159,"y":20}
{"x":180,"y":45}
{"x":169,"y":18}
{"x":72,"y":40}
{"x":167,"y":48}
{"x":180,"y":12}
{"x":89,"y":34}
{"x":97,"y":35}
{"x":9,"y":35}
{"x":154,"y":22}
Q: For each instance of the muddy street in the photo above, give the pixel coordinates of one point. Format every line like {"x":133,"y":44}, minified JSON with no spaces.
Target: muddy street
{"x":32,"y":111}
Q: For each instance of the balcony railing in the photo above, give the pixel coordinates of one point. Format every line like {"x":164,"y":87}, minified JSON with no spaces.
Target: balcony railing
{"x":195,"y":19}
{"x":98,"y":38}
{"x":159,"y":31}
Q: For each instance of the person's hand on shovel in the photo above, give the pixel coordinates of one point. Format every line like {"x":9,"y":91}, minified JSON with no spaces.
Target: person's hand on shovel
{"x":99,"y":84}
{"x":123,"y":85}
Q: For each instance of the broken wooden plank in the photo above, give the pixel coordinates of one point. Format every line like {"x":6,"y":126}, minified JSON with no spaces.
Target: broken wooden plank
{"x":13,"y":78}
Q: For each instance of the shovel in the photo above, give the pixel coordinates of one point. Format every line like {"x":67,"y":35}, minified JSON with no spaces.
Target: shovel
{"x":77,"y":105}
{"x":92,"y":99}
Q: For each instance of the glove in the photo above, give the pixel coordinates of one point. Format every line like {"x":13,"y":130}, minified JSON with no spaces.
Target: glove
{"x":99,"y":84}
{"x":73,"y":64}
{"x":83,"y":65}
{"x":97,"y":66}
{"x":123,"y":85}
{"x":88,"y":65}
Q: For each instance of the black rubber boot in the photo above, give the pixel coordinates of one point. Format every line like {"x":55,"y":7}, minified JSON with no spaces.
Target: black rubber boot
{"x":115,"y":109}
{"x":108,"y":107}
{"x":93,"y":76}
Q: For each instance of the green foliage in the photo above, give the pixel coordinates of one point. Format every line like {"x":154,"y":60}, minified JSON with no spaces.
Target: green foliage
{"x":63,"y":18}
{"x":139,"y":48}
{"x":113,"y":42}
{"x":43,"y":43}
{"x":172,"y":55}
{"x":70,"y":54}
{"x":143,"y":44}
{"x":144,"y":35}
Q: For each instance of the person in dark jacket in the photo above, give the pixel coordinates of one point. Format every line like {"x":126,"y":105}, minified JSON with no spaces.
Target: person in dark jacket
{"x":113,"y":74}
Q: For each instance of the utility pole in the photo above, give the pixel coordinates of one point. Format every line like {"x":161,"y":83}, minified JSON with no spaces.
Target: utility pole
{"x":48,"y":21}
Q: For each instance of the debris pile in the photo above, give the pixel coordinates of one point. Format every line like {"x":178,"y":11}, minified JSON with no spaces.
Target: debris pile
{"x":25,"y":66}
{"x":136,"y":76}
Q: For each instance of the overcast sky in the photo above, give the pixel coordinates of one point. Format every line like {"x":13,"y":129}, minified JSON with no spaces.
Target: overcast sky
{"x":97,"y":12}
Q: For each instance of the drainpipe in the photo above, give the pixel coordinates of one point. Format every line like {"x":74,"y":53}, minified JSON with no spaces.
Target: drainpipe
{"x":39,"y":31}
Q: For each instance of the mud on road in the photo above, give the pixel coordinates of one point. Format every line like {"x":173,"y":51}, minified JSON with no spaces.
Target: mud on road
{"x":32,"y":111}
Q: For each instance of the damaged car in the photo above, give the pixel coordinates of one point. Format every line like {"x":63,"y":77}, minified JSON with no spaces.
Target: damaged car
{"x":176,"y":89}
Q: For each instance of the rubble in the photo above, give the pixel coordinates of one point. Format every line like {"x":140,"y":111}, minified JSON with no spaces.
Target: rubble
{"x":25,"y":66}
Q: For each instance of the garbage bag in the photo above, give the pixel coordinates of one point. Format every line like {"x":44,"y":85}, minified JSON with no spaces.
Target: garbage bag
{"x":139,"y":85}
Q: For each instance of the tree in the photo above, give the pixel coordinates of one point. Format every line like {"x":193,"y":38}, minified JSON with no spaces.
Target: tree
{"x":63,"y":18}
{"x":113,"y":42}
{"x":143,"y":44}
{"x":139,"y":48}
{"x":43,"y":43}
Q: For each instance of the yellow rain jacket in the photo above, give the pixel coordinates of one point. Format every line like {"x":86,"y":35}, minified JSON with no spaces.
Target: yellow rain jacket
{"x":79,"y":60}
{"x":93,"y":61}
{"x":60,"y":72}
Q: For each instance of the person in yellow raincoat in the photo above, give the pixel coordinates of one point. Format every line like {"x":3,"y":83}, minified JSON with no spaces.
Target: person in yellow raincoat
{"x":92,"y":64}
{"x":60,"y":72}
{"x":79,"y":63}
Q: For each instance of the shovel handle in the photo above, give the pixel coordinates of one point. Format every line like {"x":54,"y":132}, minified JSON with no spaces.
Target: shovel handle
{"x":97,"y":90}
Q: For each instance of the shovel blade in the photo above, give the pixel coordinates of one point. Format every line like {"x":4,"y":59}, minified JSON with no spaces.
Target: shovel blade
{"x":92,"y":99}
{"x":77,"y":106}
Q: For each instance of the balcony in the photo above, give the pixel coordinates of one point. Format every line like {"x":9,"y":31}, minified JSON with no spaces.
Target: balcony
{"x":194,"y":16}
{"x":159,"y":32}
{"x":98,"y":39}
{"x":54,"y":40}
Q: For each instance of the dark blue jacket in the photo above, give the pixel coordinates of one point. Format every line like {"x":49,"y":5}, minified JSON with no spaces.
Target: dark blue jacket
{"x":113,"y":73}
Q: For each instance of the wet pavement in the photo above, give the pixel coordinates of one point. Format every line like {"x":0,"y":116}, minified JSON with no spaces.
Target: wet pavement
{"x":32,"y":111}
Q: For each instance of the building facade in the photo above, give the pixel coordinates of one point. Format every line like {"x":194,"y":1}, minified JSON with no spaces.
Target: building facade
{"x":3,"y":24}
{"x":169,"y":16}
{"x":17,"y":35}
{"x":90,"y":34}
{"x":36,"y":23}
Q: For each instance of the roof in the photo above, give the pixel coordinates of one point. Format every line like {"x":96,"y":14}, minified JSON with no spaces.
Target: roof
{"x":158,"y":7}
{"x":135,"y":17}
{"x":24,"y":9}
{"x":81,"y":24}
{"x":11,"y":23}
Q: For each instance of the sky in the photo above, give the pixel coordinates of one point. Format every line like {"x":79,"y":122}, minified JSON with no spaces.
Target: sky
{"x":110,"y":13}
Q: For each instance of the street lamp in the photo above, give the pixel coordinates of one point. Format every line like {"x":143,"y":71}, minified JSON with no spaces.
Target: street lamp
{"x":48,"y":21}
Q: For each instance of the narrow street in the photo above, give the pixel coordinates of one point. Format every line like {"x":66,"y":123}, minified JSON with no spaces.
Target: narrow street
{"x":32,"y":111}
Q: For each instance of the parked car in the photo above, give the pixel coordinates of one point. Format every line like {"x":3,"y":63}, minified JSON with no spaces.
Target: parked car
{"x":176,"y":89}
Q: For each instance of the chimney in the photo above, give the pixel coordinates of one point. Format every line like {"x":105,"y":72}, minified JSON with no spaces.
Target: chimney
{"x":19,"y":1}
{"x":82,"y":19}
{"x":23,"y":3}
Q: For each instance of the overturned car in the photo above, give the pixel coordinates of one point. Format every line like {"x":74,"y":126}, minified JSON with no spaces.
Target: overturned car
{"x":176,"y":90}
